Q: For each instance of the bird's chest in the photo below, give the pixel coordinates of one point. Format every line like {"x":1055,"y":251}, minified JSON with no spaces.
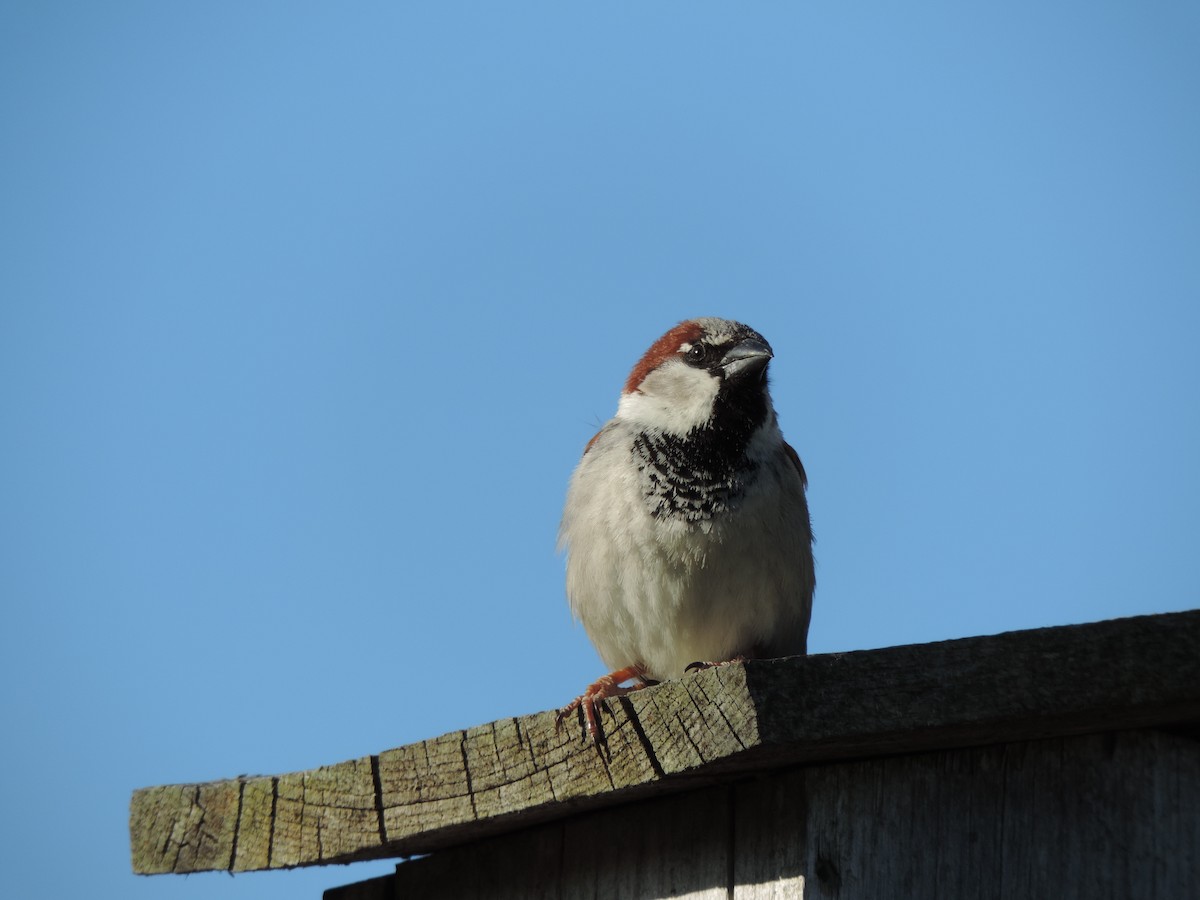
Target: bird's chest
{"x":681,"y":481}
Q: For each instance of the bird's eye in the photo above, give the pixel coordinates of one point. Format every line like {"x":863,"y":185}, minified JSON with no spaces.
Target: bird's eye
{"x":696,"y":354}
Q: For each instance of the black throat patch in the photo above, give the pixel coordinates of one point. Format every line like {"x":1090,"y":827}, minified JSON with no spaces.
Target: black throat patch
{"x":705,"y":472}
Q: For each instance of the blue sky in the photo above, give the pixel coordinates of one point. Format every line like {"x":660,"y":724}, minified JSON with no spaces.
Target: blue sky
{"x":307,"y":311}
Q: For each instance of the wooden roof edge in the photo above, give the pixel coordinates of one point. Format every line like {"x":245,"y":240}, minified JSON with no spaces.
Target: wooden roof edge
{"x":1121,"y":673}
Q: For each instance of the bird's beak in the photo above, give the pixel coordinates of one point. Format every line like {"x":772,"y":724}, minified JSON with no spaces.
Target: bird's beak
{"x":748,"y":357}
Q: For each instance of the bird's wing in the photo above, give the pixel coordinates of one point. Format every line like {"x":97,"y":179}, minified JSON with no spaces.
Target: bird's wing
{"x":793,"y":456}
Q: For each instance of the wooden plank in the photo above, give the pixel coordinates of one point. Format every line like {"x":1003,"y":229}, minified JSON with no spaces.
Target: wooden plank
{"x":649,"y":849}
{"x":679,"y":849}
{"x":1092,"y":817}
{"x":519,"y":772}
{"x":1104,"y":676}
{"x":1075,"y":818}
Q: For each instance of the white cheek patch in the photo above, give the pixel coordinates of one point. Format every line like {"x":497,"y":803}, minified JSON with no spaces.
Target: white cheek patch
{"x":674,"y":398}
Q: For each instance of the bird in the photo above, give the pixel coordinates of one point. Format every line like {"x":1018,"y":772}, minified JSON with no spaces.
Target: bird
{"x":686,"y":526}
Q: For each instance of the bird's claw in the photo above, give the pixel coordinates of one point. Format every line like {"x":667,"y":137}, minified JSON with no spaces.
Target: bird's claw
{"x":698,"y":665}
{"x":599,"y":691}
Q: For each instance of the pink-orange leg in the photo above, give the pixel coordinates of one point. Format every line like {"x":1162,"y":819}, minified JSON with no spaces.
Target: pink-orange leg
{"x":599,"y":690}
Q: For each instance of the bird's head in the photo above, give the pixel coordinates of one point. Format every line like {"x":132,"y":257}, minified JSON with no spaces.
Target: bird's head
{"x":703,"y":373}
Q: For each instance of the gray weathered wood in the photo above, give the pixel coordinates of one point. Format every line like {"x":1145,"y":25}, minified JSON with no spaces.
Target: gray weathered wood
{"x":518,"y":772}
{"x":659,"y":850}
{"x":1094,"y":817}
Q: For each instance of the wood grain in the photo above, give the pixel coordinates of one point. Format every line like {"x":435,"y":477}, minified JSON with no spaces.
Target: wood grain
{"x":684,"y":734}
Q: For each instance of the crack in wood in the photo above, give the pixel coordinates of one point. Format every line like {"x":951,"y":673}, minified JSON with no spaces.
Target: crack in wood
{"x":197,"y":828}
{"x":638,"y":730}
{"x":500,"y":765}
{"x":604,"y":752}
{"x":525,"y":742}
{"x":428,"y":768}
{"x":718,"y":707}
{"x":467,"y":774}
{"x":377,"y":784}
{"x":178,"y":842}
{"x":237,"y":826}
{"x":688,"y":734}
{"x":704,"y":717}
{"x":271,"y":826}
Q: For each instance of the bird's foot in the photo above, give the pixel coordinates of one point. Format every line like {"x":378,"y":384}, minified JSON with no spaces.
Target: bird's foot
{"x":697,"y":666}
{"x":600,"y":690}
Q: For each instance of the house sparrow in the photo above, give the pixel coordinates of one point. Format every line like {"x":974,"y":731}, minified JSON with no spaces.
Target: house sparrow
{"x":686,"y":527}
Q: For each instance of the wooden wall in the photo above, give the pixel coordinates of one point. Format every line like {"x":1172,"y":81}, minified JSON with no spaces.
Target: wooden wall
{"x":1113,"y":815}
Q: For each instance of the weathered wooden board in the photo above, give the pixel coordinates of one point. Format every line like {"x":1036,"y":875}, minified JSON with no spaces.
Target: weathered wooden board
{"x":683,"y":734}
{"x":1093,"y":817}
{"x":656,"y":850}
